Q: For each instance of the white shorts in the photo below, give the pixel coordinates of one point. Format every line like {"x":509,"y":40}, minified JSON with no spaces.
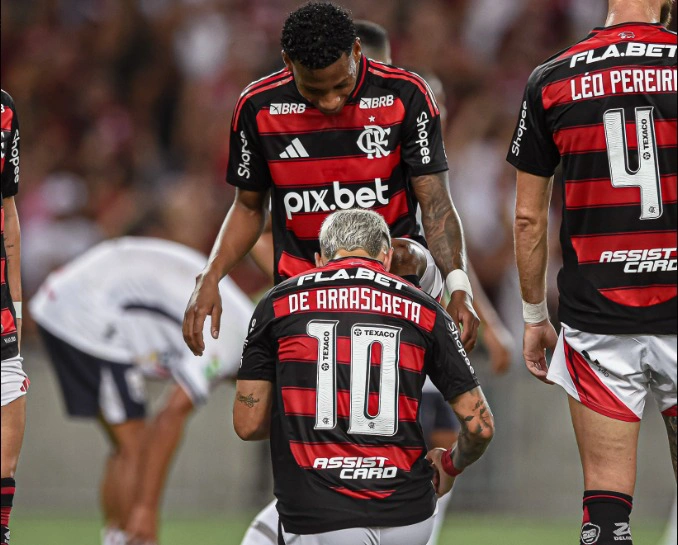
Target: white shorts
{"x":14,"y":380}
{"x":414,"y":534}
{"x":612,"y":374}
{"x":431,"y":281}
{"x":264,"y":531}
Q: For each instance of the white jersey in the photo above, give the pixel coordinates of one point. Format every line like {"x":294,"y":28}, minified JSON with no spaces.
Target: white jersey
{"x":123,"y":301}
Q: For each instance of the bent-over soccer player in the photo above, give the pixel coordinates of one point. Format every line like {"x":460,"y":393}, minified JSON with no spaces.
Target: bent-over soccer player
{"x":332,"y":371}
{"x":334,"y":130}
{"x":111,"y":318}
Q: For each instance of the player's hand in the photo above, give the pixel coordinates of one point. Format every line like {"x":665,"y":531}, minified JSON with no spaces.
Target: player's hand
{"x":500,"y":345}
{"x":204,"y":301}
{"x":442,"y":482}
{"x":536,"y":340}
{"x":142,"y":528}
{"x":464,"y":315}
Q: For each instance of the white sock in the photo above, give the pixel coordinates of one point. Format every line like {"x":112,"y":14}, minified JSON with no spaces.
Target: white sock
{"x":109,"y":536}
{"x":440,"y":517}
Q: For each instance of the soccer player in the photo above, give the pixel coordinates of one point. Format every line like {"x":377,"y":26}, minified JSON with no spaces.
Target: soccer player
{"x":14,"y":380}
{"x":110,"y":318}
{"x":332,"y":370}
{"x":334,"y":130}
{"x":607,"y":108}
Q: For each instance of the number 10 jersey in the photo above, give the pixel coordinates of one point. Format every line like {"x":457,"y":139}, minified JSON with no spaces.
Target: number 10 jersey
{"x":607,"y":107}
{"x":348,"y":347}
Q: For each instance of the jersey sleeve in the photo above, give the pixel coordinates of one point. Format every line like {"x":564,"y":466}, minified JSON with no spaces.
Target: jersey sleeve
{"x":422,"y":147}
{"x":532,"y":148}
{"x":259,"y":354}
{"x":447,"y":364}
{"x":247,"y":167}
{"x":10,"y":147}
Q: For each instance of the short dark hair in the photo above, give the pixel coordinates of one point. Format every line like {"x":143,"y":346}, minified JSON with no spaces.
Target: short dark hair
{"x":317,"y":34}
{"x":371,"y":34}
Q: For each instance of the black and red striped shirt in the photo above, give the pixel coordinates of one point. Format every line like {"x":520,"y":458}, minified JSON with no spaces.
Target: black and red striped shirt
{"x":388,"y":132}
{"x":348,"y":347}
{"x":9,"y":171}
{"x":607,"y":108}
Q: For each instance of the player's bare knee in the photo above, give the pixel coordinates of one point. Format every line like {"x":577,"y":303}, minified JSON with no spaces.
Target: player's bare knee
{"x":408,"y":258}
{"x":9,"y":464}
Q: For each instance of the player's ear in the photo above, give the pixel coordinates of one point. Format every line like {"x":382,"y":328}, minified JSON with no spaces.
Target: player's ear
{"x":286,"y":59}
{"x":388,"y":259}
{"x":319,"y":260}
{"x":357,"y":50}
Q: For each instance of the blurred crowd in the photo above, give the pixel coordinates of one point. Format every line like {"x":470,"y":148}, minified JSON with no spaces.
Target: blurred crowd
{"x":125,"y":107}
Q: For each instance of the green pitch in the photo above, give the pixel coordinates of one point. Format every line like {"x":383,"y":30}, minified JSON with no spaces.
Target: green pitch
{"x":458,"y":530}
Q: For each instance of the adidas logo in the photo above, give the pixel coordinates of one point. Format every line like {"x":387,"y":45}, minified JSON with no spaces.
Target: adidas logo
{"x":294,"y":150}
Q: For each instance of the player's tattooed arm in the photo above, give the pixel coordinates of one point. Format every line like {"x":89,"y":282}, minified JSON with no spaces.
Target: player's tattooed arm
{"x":247,"y":399}
{"x":442,"y":226}
{"x":477,"y":427}
{"x":252,"y":409}
{"x":670,"y":422}
{"x":445,"y":239}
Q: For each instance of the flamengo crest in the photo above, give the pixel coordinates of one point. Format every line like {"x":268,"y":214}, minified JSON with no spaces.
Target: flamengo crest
{"x":374,"y":141}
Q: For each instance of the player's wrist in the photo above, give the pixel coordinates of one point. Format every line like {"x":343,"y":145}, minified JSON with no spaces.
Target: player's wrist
{"x":457,"y":281}
{"x":535,"y":313}
{"x":209,"y":276}
{"x":18,"y":309}
{"x":447,"y":462}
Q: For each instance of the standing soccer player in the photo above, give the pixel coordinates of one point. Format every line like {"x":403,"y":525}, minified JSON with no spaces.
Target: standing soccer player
{"x":607,"y":107}
{"x":14,"y":380}
{"x":334,"y":130}
{"x":332,"y":370}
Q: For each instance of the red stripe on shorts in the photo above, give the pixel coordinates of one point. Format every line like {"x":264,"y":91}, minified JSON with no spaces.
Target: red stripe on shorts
{"x":593,"y":393}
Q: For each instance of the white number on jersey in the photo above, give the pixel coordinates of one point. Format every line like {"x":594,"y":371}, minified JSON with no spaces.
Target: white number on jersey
{"x":363,"y":337}
{"x":646,"y":177}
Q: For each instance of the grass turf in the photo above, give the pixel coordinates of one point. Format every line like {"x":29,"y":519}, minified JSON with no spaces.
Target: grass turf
{"x":458,"y":530}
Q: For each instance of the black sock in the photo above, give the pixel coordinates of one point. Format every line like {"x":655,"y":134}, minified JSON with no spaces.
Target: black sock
{"x":606,"y":518}
{"x":8,"y":486}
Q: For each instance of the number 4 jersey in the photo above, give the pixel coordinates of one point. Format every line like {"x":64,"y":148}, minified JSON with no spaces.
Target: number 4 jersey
{"x":348,"y":347}
{"x":607,"y":107}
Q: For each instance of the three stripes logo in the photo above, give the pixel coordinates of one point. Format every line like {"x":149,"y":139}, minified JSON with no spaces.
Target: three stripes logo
{"x":294,"y":150}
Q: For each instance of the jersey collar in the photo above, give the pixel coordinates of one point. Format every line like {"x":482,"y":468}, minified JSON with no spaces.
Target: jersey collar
{"x":629,"y":23}
{"x":364,"y":261}
{"x":360,"y":81}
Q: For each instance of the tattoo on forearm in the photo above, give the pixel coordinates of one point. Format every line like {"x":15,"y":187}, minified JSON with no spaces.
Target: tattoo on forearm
{"x":469,"y":446}
{"x":442,"y":225}
{"x":248,"y":400}
{"x":670,"y":422}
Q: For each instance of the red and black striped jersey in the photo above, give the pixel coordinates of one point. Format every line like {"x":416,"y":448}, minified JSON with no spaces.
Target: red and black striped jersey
{"x":607,"y":108}
{"x":365,"y":156}
{"x":348,"y":347}
{"x":9,"y":171}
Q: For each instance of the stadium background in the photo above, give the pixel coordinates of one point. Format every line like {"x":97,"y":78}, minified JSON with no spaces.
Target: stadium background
{"x":125,"y":107}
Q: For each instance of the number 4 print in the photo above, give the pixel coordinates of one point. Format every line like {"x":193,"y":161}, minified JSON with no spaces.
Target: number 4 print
{"x":646,"y":177}
{"x":363,"y":336}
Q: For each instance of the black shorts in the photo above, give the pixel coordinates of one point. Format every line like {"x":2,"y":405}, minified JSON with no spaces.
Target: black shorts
{"x":92,"y":386}
{"x":436,"y":414}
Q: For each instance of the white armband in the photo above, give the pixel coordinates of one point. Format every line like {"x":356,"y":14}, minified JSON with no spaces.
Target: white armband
{"x":533,"y":314}
{"x":458,"y":280}
{"x":17,"y":309}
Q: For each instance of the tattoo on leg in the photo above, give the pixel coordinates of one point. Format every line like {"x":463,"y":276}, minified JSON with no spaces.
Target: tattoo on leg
{"x":247,"y":400}
{"x":670,"y":422}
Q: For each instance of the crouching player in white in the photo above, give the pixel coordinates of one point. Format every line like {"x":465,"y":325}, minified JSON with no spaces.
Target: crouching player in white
{"x":109,"y":319}
{"x":14,"y":380}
